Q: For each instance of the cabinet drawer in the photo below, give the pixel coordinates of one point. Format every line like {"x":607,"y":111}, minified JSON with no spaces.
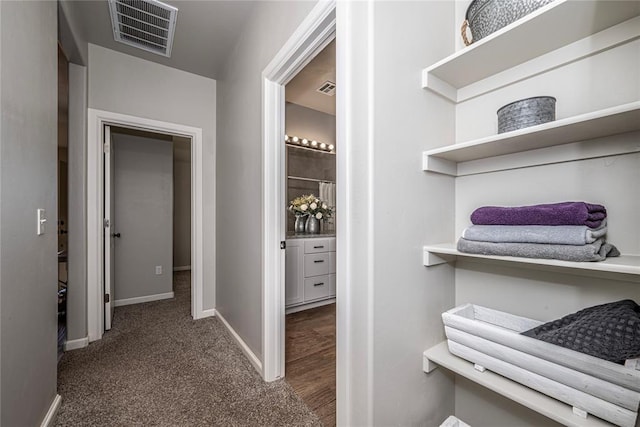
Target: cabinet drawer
{"x":317,"y":287}
{"x":316,"y":264}
{"x":312,"y":246}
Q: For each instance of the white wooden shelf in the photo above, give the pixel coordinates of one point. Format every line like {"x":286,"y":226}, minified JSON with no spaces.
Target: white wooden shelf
{"x":603,"y":123}
{"x":512,"y":390}
{"x":624,"y":264}
{"x":565,"y":21}
{"x":523,"y":395}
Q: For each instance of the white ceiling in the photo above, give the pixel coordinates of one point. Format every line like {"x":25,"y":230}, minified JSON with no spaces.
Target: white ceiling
{"x":205,"y":34}
{"x":301,"y":89}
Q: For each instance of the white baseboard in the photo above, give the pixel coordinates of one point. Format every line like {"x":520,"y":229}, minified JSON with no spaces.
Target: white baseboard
{"x":207,"y":313}
{"x":303,"y":307}
{"x":257,"y":364}
{"x":183,"y":268}
{"x":75,"y":344}
{"x":52,"y":412}
{"x":138,"y":300}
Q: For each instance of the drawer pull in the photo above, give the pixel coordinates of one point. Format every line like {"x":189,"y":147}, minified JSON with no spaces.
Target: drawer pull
{"x":318,"y":247}
{"x":318,"y":284}
{"x":318,"y":260}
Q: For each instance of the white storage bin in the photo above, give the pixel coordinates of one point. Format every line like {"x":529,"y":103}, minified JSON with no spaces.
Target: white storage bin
{"x":491,"y":339}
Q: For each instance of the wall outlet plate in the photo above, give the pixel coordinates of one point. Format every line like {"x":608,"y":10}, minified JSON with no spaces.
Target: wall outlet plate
{"x":158,"y":269}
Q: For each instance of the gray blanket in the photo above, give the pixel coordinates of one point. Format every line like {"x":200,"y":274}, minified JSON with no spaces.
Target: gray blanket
{"x":596,"y":251}
{"x":554,"y":234}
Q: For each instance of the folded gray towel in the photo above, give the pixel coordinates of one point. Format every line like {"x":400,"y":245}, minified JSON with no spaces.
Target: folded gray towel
{"x":553,"y":234}
{"x":596,"y":251}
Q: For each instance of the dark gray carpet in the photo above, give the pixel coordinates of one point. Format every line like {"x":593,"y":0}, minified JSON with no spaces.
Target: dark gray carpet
{"x":158,"y":367}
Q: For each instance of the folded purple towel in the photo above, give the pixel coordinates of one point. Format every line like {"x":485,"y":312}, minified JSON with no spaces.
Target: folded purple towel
{"x":566,"y":213}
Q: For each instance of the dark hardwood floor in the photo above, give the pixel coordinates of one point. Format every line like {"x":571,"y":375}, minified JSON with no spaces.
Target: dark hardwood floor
{"x":311,"y":359}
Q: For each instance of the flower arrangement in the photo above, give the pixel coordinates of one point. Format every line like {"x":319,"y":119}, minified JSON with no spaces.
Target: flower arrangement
{"x":310,"y":205}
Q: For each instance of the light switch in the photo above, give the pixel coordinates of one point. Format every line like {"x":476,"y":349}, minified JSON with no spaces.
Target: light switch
{"x":41,"y":221}
{"x":158,"y":269}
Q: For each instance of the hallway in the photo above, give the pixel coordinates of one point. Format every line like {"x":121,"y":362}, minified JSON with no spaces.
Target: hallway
{"x":159,"y":367}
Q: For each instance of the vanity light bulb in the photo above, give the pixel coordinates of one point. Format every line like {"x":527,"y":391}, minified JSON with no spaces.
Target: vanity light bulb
{"x":314,"y":143}
{"x":331,"y":147}
{"x":295,"y":139}
{"x":286,"y":138}
{"x":305,"y":141}
{"x":323,"y":145}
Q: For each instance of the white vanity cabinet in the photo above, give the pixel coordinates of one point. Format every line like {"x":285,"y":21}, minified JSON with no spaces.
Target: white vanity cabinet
{"x":310,"y":278}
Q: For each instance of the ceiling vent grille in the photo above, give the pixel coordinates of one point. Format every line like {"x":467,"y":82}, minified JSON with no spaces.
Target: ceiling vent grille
{"x":145,"y":24}
{"x":328,"y":88}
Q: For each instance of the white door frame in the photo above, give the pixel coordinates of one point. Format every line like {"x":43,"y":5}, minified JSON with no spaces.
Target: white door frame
{"x":109,"y":214}
{"x":314,"y":34}
{"x":95,"y":174}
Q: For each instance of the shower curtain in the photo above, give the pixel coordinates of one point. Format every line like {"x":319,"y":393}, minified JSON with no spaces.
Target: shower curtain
{"x":327,"y":193}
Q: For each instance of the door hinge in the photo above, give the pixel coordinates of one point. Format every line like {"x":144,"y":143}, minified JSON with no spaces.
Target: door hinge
{"x":105,"y":148}
{"x":106,"y":298}
{"x":283,"y":245}
{"x":105,"y":223}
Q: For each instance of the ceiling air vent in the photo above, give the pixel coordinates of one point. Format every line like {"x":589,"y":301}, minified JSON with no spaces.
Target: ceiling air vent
{"x":145,"y":24}
{"x":328,"y":88}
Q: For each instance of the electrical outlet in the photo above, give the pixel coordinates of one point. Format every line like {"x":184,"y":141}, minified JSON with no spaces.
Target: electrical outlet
{"x":158,"y":269}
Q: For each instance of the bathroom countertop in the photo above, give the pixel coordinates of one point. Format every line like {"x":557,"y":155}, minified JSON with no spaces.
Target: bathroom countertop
{"x":310,"y":236}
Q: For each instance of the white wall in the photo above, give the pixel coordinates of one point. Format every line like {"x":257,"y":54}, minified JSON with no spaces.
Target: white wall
{"x":181,"y":202}
{"x":143,"y":185}
{"x":311,"y":124}
{"x":28,"y":181}
{"x":128,"y":85}
{"x":239,"y":179}
{"x":578,"y":88}
{"x":389,"y":210}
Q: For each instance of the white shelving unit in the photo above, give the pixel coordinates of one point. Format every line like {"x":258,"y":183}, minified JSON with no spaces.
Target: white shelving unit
{"x":530,"y":398}
{"x":517,"y":52}
{"x":608,"y":122}
{"x":524,"y":40}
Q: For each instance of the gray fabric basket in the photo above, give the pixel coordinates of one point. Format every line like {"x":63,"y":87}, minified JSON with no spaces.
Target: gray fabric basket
{"x":487,"y":16}
{"x":526,"y":112}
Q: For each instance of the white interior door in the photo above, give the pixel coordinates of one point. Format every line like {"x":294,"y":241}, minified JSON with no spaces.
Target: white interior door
{"x":110,"y":234}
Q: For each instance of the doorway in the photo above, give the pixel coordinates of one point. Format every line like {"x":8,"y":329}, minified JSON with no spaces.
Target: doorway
{"x":147,"y":182}
{"x":63,"y":199}
{"x":97,"y":283}
{"x":310,"y":255}
{"x":313,"y":35}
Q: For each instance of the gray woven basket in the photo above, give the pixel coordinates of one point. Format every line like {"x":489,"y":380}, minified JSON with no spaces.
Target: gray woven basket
{"x":526,"y":112}
{"x":487,"y":16}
